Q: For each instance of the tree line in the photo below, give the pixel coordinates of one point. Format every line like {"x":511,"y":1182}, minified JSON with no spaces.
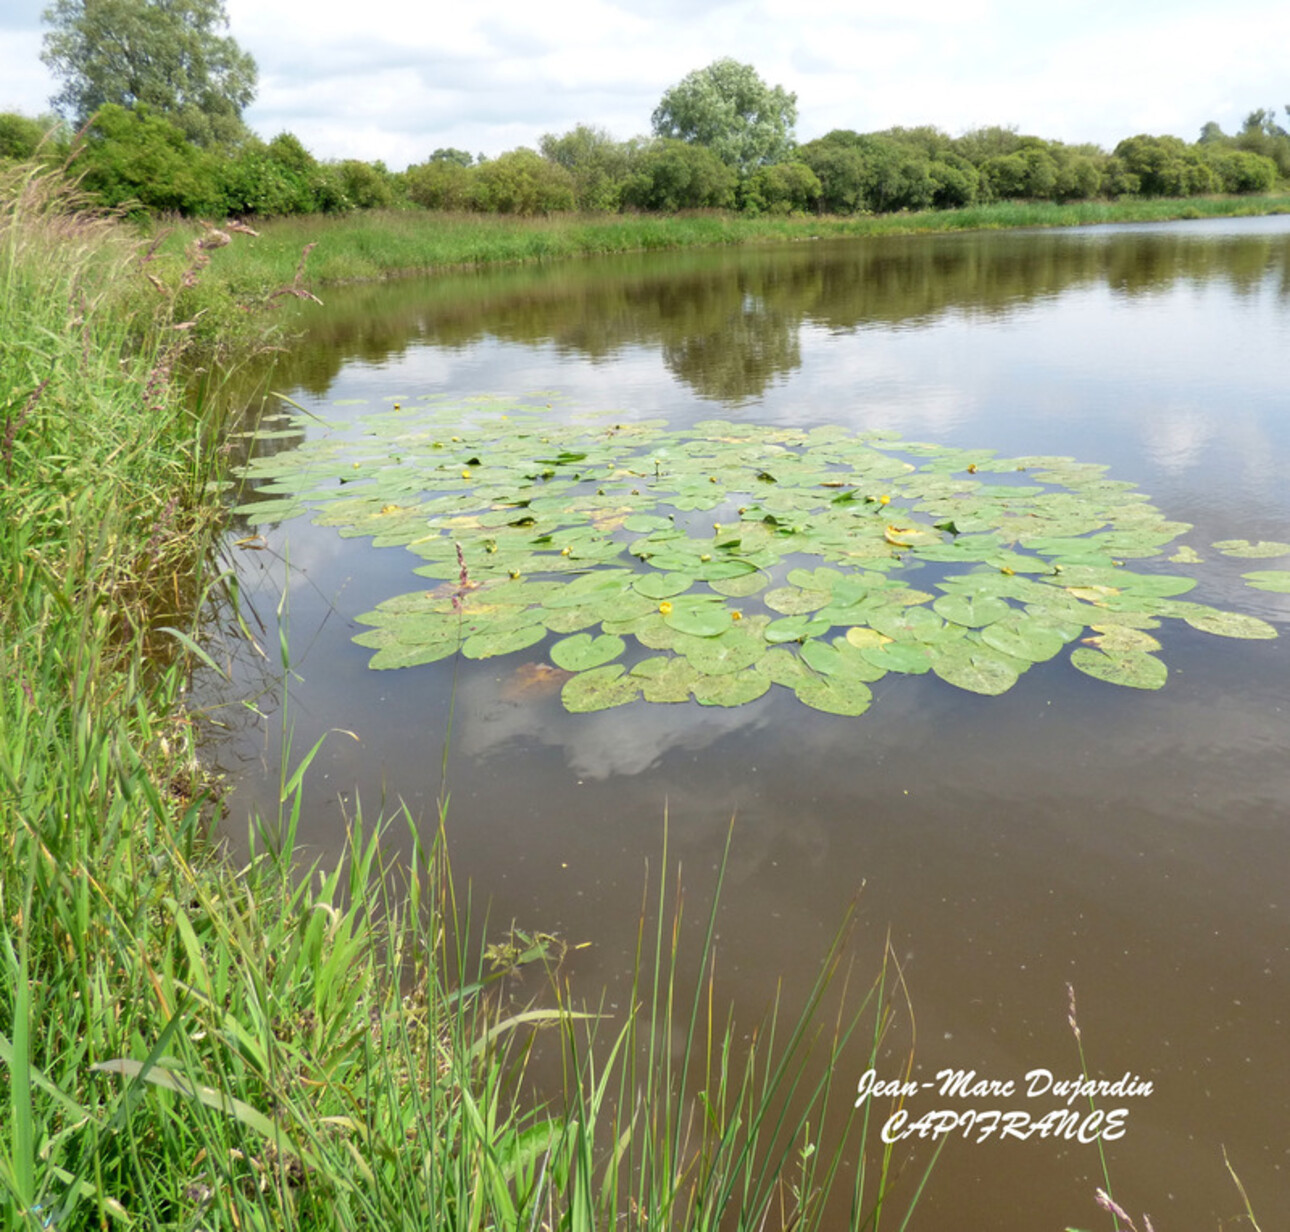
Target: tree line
{"x":157,"y":125}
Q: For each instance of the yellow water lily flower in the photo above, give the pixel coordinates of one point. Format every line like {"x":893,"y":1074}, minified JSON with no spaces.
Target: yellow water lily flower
{"x":665,"y":607}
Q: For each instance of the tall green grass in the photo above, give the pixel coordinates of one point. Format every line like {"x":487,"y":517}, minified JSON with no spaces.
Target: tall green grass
{"x":185,"y":1044}
{"x":371,"y":245}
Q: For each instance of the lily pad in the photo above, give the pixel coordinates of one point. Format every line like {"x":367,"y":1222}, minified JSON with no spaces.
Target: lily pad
{"x":978,"y":670}
{"x":666,"y":678}
{"x":1243,"y":547}
{"x":532,"y":525}
{"x":1134,"y":669}
{"x":906,"y":657}
{"x":971,"y":610}
{"x":733,"y":689}
{"x":599,"y":689}
{"x":487,"y":645}
{"x":1230,"y":624}
{"x":840,"y":694}
{"x":582,"y":651}
{"x":700,"y":617}
{"x":399,"y":655}
{"x":1275,"y":580}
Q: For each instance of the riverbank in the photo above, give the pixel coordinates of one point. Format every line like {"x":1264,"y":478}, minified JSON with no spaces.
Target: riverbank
{"x":192,"y":1044}
{"x":372,"y":245}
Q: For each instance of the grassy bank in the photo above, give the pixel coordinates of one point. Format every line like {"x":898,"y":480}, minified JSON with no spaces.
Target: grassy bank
{"x":373,"y":245}
{"x":190,"y":1045}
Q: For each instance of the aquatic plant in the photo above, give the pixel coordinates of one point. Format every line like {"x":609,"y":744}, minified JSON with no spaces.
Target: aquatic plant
{"x":716,"y":562}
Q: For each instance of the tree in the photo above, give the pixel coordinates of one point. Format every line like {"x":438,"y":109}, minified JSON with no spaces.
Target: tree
{"x":450,"y":154}
{"x":728,"y":108}
{"x":165,"y":54}
{"x":671,"y":175}
{"x":599,"y":164}
{"x":521,"y":182}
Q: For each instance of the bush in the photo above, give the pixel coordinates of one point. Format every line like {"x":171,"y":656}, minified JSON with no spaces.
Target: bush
{"x":440,"y":184}
{"x":138,"y":155}
{"x":1240,"y":171}
{"x":1166,"y":166}
{"x":673,"y":175}
{"x":782,"y":188}
{"x":521,"y":182}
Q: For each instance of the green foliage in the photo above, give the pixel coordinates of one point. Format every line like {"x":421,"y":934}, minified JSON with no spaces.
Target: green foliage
{"x":598,"y":164}
{"x":781,"y":188}
{"x":365,"y":186}
{"x":1029,"y":172}
{"x":23,"y":139}
{"x":440,"y":184}
{"x":1240,"y":171}
{"x":450,"y":154}
{"x":563,"y":528}
{"x":727,"y":108}
{"x":162,"y":53}
{"x":522,"y":182}
{"x":1166,"y":166}
{"x":255,"y":180}
{"x":138,"y":155}
{"x":673,"y":175}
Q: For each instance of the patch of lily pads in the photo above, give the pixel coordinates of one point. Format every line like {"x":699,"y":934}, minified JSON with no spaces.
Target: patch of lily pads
{"x":716,"y":563}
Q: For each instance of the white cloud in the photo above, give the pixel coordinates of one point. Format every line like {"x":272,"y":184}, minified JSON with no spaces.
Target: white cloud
{"x":392,"y":79}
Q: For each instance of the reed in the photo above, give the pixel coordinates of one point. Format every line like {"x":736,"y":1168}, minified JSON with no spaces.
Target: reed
{"x":372,"y":245}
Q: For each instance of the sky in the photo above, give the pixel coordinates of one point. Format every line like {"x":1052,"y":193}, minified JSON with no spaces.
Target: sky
{"x":396,"y":79}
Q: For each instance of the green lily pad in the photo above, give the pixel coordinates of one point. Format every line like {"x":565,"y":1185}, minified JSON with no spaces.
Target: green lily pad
{"x":732,"y":689}
{"x":700,"y":617}
{"x":978,"y":670}
{"x":740,"y":587}
{"x":599,"y":689}
{"x":838,"y":658}
{"x":663,"y":585}
{"x":1134,"y":669}
{"x":1243,"y":547}
{"x":839,"y":694}
{"x":1027,"y":637}
{"x":399,"y":655}
{"x":730,"y":651}
{"x":569,"y":619}
{"x":1230,"y":624}
{"x":600,"y":512}
{"x":582,"y":651}
{"x":791,"y":601}
{"x":487,"y":645}
{"x":1275,"y":580}
{"x":666,"y":678}
{"x":1115,"y":639}
{"x":906,"y":657}
{"x":973,"y":611}
{"x":795,"y":629}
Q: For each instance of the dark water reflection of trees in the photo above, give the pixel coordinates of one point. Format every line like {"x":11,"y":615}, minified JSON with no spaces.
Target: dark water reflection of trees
{"x":728,"y":323}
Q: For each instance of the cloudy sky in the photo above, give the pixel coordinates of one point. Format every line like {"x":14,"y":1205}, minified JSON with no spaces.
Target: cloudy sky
{"x":395,"y":79}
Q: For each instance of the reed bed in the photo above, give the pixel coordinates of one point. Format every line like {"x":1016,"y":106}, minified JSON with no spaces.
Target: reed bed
{"x":188,"y":1044}
{"x":371,"y":245}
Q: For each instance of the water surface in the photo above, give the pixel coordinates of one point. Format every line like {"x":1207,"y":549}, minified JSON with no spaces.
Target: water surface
{"x":1132,"y":844}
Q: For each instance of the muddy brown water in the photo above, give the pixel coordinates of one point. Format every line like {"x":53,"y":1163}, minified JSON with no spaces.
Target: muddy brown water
{"x":1135,"y":845}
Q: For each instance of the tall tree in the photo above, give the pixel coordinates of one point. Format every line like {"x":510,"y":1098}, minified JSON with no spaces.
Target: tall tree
{"x":728,"y":108}
{"x":165,"y":53}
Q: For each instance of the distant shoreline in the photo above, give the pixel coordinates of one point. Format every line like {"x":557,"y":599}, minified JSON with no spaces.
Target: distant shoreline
{"x":376,"y":245}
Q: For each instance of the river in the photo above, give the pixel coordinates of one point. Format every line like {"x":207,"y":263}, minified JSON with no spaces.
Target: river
{"x":1132,"y":844}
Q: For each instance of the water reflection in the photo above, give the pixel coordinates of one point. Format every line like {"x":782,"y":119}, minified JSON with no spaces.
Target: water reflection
{"x":728,"y":323}
{"x":1134,"y":844}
